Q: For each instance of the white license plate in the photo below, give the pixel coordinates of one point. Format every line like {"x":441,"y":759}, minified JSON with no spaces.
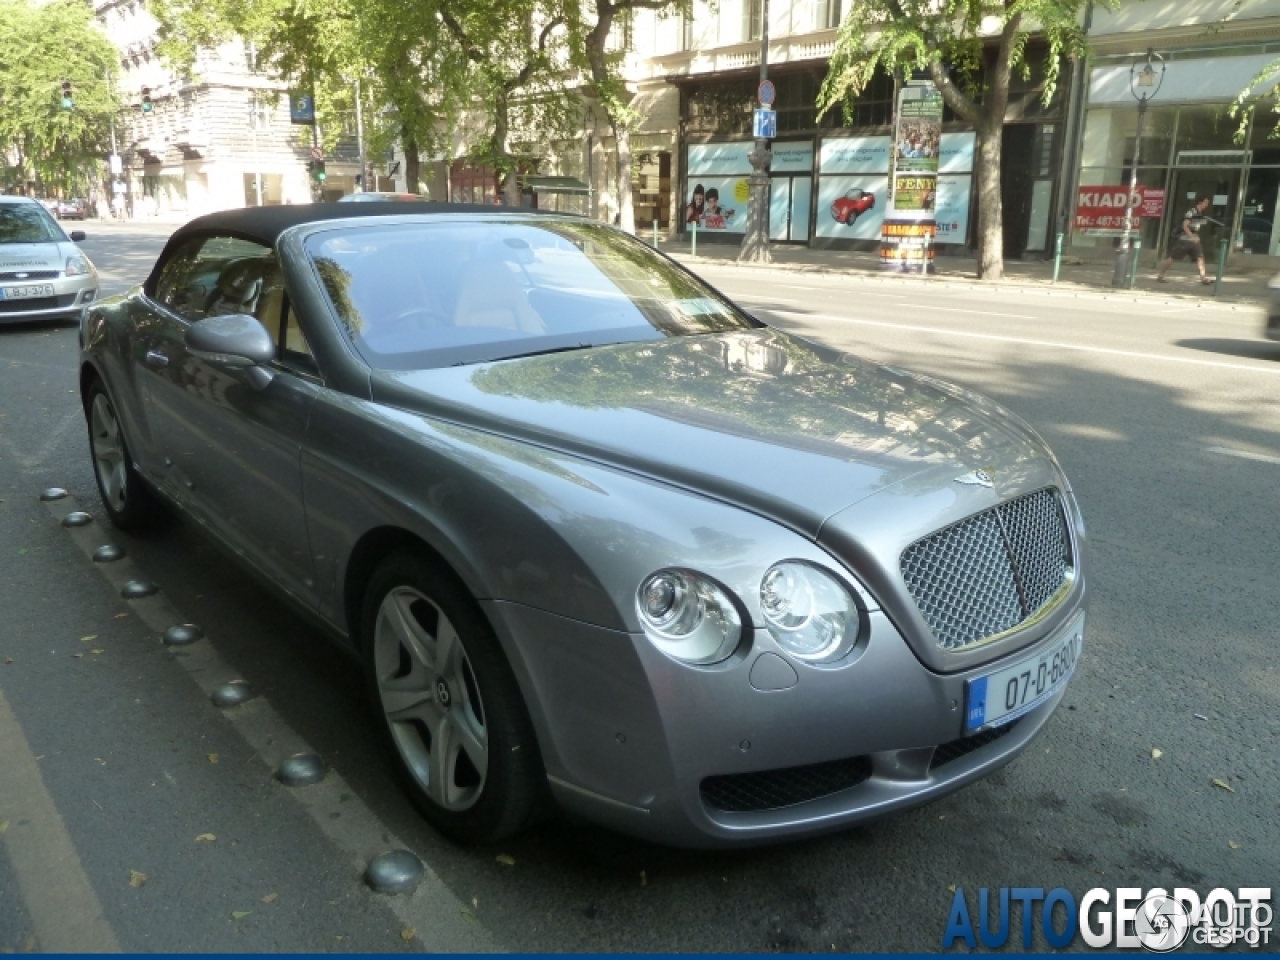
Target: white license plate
{"x":26,"y":293}
{"x":1003,"y":696}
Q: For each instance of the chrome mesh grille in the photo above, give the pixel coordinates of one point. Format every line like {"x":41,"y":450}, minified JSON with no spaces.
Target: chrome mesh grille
{"x":990,"y":572}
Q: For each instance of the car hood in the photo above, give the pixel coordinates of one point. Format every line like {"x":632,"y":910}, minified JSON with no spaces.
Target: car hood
{"x":789,"y":429}
{"x":16,"y":257}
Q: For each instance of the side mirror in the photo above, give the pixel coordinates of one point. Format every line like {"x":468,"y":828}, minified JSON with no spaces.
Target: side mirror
{"x":236,"y":340}
{"x":77,"y":236}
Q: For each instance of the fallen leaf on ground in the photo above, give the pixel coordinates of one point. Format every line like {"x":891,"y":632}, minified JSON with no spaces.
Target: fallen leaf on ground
{"x":76,"y":656}
{"x":99,"y":650}
{"x":137,"y":879}
{"x":8,"y":659}
{"x":206,"y":838}
{"x":468,"y":916}
{"x":271,"y":898}
{"x":1156,"y":754}
{"x":119,"y":616}
{"x":213,"y":757}
{"x":506,"y":860}
{"x":92,"y":636}
{"x":407,"y":934}
{"x":1233,"y":845}
{"x":240,"y":914}
{"x":4,"y":825}
{"x":951,"y":889}
{"x":1223,"y":785}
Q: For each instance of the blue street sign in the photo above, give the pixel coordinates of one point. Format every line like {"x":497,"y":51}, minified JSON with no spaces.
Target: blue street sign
{"x":766,"y":124}
{"x":767,"y":93}
{"x":302,"y":108}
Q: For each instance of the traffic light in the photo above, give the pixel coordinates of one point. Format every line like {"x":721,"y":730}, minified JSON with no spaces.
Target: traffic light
{"x":317,"y":170}
{"x":67,"y":101}
{"x":146,"y":99}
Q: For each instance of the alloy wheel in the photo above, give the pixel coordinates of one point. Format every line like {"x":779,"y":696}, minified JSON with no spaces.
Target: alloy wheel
{"x":429,"y":695}
{"x":108,"y":452}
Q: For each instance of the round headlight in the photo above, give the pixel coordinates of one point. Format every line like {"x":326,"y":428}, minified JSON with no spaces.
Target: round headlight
{"x":808,"y":611}
{"x":688,"y":617}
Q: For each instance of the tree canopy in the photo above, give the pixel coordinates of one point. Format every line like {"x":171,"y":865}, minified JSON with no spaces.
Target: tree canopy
{"x":42,"y":140}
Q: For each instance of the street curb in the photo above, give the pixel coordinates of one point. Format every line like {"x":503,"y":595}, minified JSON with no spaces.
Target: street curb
{"x":1064,"y":288}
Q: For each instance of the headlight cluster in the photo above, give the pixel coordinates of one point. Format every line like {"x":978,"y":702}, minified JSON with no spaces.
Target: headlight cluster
{"x":688,"y":617}
{"x":78,"y":265}
{"x":810,"y":613}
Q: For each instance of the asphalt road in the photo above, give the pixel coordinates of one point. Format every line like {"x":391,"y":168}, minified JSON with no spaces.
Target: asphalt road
{"x":1163,"y":413}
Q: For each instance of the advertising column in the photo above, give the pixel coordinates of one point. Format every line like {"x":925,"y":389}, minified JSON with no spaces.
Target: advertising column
{"x":906,"y":237}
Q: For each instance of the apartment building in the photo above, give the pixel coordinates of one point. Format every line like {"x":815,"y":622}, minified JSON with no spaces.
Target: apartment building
{"x":218,"y":139}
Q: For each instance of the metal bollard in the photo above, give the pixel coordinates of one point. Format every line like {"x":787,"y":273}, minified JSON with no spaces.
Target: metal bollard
{"x":1134,"y":256}
{"x":655,"y":233}
{"x":1222,"y":265}
{"x":693,"y":248}
{"x":1057,"y":257}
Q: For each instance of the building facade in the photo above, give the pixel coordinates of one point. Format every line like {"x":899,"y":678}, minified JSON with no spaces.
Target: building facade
{"x":1192,"y":144}
{"x":218,"y":139}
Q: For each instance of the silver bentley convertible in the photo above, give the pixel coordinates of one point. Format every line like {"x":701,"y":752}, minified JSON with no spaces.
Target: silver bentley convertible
{"x":599,"y":539}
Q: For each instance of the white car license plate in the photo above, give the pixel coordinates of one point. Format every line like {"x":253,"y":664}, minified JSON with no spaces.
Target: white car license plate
{"x":1003,"y":696}
{"x":26,"y":293}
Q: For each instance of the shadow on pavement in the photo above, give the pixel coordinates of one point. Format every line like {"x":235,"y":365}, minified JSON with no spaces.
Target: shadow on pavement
{"x":1250,"y":349}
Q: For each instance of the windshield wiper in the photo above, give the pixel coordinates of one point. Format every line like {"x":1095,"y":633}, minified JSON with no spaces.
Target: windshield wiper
{"x":531,"y":353}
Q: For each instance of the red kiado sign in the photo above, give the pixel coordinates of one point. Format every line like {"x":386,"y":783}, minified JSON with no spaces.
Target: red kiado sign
{"x":1102,"y":209}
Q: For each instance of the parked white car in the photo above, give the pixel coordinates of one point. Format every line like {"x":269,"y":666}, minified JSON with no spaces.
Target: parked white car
{"x":43,"y":274}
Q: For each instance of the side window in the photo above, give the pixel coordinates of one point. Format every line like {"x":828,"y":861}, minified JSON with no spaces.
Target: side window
{"x":216,"y":276}
{"x":294,"y":351}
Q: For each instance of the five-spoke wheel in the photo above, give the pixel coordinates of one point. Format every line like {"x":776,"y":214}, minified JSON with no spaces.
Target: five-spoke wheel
{"x":449,"y":702}
{"x":126,"y":499}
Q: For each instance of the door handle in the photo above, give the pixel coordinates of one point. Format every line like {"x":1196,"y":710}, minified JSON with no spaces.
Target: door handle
{"x":156,"y":359}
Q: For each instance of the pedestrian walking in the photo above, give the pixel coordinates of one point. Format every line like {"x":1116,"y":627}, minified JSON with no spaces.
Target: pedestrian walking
{"x":1185,"y":241}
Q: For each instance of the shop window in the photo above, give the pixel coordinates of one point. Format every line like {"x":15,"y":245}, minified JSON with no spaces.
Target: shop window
{"x":651,"y":189}
{"x":1208,"y":127}
{"x":1110,"y":137}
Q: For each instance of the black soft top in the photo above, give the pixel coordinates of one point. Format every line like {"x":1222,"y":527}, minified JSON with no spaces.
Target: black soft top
{"x":265,"y":224}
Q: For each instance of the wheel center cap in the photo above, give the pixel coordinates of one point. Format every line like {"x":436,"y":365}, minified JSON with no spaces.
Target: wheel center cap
{"x":442,"y":692}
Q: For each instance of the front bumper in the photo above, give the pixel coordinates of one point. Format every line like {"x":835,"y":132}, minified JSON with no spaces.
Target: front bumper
{"x":70,"y":297}
{"x":629,"y":736}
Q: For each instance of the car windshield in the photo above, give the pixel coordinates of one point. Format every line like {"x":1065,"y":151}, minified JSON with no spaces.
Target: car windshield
{"x":414,"y":296}
{"x":27,"y":223}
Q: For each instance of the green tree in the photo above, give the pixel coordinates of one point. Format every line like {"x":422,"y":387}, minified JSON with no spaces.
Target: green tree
{"x":948,"y":40}
{"x":423,"y":64}
{"x":44,"y":45}
{"x":591,"y":22}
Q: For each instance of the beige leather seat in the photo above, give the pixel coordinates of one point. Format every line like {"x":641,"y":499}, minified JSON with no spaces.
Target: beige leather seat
{"x":490,"y":295}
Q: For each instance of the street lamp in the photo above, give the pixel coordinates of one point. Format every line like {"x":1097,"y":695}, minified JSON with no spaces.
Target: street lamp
{"x":1144,"y":84}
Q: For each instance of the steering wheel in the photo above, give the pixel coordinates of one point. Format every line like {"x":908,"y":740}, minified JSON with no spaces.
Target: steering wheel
{"x":417,"y":318}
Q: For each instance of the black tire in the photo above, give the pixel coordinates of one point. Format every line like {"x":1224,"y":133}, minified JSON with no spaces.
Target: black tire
{"x":512,"y":789}
{"x":125,"y":496}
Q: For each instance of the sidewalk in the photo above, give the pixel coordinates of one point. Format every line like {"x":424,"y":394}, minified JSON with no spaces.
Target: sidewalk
{"x":1075,"y":277}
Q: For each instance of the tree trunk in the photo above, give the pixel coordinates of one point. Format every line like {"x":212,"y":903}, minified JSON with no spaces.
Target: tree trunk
{"x":990,"y":205}
{"x":626,"y":210}
{"x":412,"y":170}
{"x":501,"y":135}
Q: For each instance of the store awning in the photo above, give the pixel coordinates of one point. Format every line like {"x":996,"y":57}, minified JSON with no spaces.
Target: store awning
{"x":558,"y":185}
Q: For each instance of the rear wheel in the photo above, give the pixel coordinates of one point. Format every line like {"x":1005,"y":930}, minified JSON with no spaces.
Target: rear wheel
{"x":449,"y":704}
{"x":127,"y":500}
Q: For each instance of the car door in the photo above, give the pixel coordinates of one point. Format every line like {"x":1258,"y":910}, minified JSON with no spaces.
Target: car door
{"x":231,"y":445}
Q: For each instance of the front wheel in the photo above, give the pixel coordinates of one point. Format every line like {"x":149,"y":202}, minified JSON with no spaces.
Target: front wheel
{"x":127,"y":501}
{"x":449,"y":703}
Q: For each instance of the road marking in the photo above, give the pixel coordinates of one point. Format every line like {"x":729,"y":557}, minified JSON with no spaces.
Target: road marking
{"x":432,"y":909}
{"x":57,"y":894}
{"x":984,"y":313}
{"x":1244,"y":455}
{"x":943,"y":331}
